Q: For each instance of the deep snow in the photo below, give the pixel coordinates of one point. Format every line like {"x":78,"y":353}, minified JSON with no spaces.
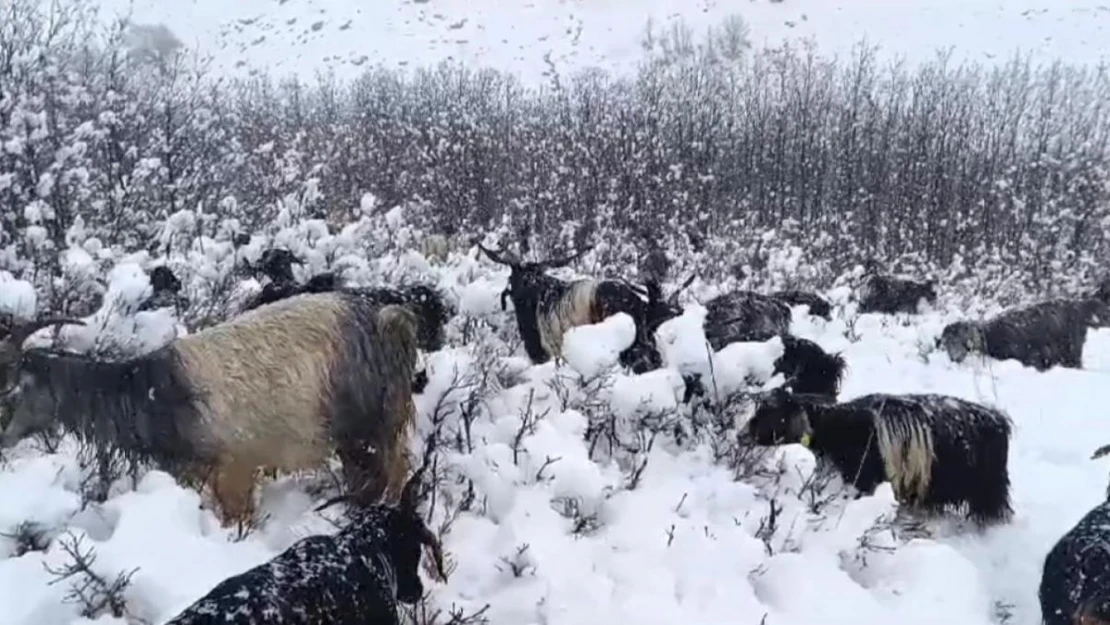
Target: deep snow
{"x":688,"y":544}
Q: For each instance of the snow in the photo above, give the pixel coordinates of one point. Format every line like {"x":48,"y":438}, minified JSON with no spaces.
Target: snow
{"x":532,"y":38}
{"x":563,"y":530}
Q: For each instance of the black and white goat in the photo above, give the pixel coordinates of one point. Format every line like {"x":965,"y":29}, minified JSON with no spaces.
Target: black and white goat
{"x":890,"y":294}
{"x":937,"y":451}
{"x":1041,"y":335}
{"x":1075,"y":580}
{"x":281,"y":387}
{"x":355,"y":577}
{"x":818,"y":306}
{"x":547,"y":307}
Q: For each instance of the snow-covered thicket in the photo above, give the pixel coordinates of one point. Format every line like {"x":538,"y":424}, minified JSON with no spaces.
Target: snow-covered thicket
{"x":567,"y":492}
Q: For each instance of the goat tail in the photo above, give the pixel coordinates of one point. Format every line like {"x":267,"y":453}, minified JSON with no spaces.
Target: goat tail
{"x":906,"y":445}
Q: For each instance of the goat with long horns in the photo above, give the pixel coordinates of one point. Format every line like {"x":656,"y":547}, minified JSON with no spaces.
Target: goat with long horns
{"x":547,"y":307}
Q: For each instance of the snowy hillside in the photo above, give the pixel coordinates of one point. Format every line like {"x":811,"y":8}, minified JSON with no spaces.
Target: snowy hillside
{"x":529,"y":38}
{"x":539,"y":527}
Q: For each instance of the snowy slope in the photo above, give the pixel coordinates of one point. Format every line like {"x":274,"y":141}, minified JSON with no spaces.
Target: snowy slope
{"x":557,"y":537}
{"x":304,"y":36}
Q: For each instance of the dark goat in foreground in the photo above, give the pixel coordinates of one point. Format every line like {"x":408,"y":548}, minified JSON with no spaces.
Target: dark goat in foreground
{"x":744,"y":316}
{"x":937,"y":451}
{"x":355,"y":577}
{"x":818,"y":306}
{"x":889,"y":294}
{"x":1041,"y":335}
{"x":1075,"y":580}
{"x":547,"y":307}
{"x":281,"y":387}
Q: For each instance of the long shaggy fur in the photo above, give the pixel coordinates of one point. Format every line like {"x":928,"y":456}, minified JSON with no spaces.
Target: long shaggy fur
{"x":744,"y":316}
{"x":1041,"y":335}
{"x":818,"y":306}
{"x":1075,"y":581}
{"x":280,"y":387}
{"x":355,"y":577}
{"x":809,"y":369}
{"x":889,"y":294}
{"x":427,"y":303}
{"x":938,"y":452}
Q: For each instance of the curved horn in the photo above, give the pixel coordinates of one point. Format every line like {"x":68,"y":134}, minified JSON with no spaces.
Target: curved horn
{"x":673,"y":299}
{"x":504,"y":296}
{"x":564,"y":261}
{"x":20,"y":332}
{"x":410,"y":491}
{"x":496,"y":257}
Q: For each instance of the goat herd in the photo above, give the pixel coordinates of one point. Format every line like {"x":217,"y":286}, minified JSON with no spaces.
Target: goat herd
{"x":308,"y":370}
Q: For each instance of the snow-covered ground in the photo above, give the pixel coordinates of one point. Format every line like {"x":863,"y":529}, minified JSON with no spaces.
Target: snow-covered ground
{"x":555,"y":535}
{"x":527,"y":37}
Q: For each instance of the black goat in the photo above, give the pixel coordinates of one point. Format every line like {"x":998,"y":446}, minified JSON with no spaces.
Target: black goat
{"x":546,"y":307}
{"x":277,"y":265}
{"x":355,"y":577}
{"x":166,"y":289}
{"x":808,"y":369}
{"x":937,"y":451}
{"x":818,"y":306}
{"x":744,"y":316}
{"x":889,"y":294}
{"x":1040,"y":335}
{"x":427,"y":303}
{"x":1075,"y":581}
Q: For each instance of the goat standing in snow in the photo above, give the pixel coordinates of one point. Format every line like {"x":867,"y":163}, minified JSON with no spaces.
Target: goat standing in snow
{"x":277,"y":265}
{"x":890,"y":294}
{"x":355,"y":577}
{"x":280,"y":387}
{"x":936,"y":451}
{"x":1075,"y":581}
{"x":546,"y":307}
{"x":808,"y":369}
{"x":743,"y":316}
{"x":1040,"y":335}
{"x":818,"y":306}
{"x":165,"y":291}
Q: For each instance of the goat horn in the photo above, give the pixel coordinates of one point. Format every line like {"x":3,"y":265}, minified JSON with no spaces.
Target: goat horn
{"x":408,"y":494}
{"x":496,"y":257}
{"x":566,"y":260}
{"x":20,"y":332}
{"x":673,"y":299}
{"x":1100,"y":452}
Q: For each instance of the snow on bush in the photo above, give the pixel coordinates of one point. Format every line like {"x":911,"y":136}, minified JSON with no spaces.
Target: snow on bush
{"x":566,"y":492}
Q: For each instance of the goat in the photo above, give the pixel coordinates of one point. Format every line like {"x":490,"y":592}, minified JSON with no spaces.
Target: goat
{"x":355,"y":577}
{"x":1040,"y":335}
{"x":427,"y":303}
{"x":808,"y":369}
{"x":165,"y":289}
{"x":277,"y":265}
{"x":277,"y":388}
{"x":546,"y":307}
{"x":890,"y":294}
{"x":818,"y":306}
{"x":744,"y":316}
{"x":937,"y":451}
{"x":1075,"y":580}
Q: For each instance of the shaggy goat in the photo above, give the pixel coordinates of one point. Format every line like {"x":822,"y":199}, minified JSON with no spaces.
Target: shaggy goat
{"x":744,"y":316}
{"x":354,"y":577}
{"x":818,"y":306}
{"x":546,"y":307}
{"x":1075,"y":581}
{"x":889,"y":294}
{"x":936,"y":451}
{"x":1040,"y":335}
{"x":278,"y":388}
{"x":427,"y":303}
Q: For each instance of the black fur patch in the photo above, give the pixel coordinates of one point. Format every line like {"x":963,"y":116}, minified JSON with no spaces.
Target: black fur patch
{"x":970,"y":444}
{"x":371,"y":379}
{"x":889,"y":295}
{"x":818,"y":306}
{"x":1041,"y":335}
{"x":744,"y":316}
{"x":533,"y":292}
{"x":142,"y":407}
{"x":1076,"y":574}
{"x":355,"y":577}
{"x":427,"y":303}
{"x":808,"y":368}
